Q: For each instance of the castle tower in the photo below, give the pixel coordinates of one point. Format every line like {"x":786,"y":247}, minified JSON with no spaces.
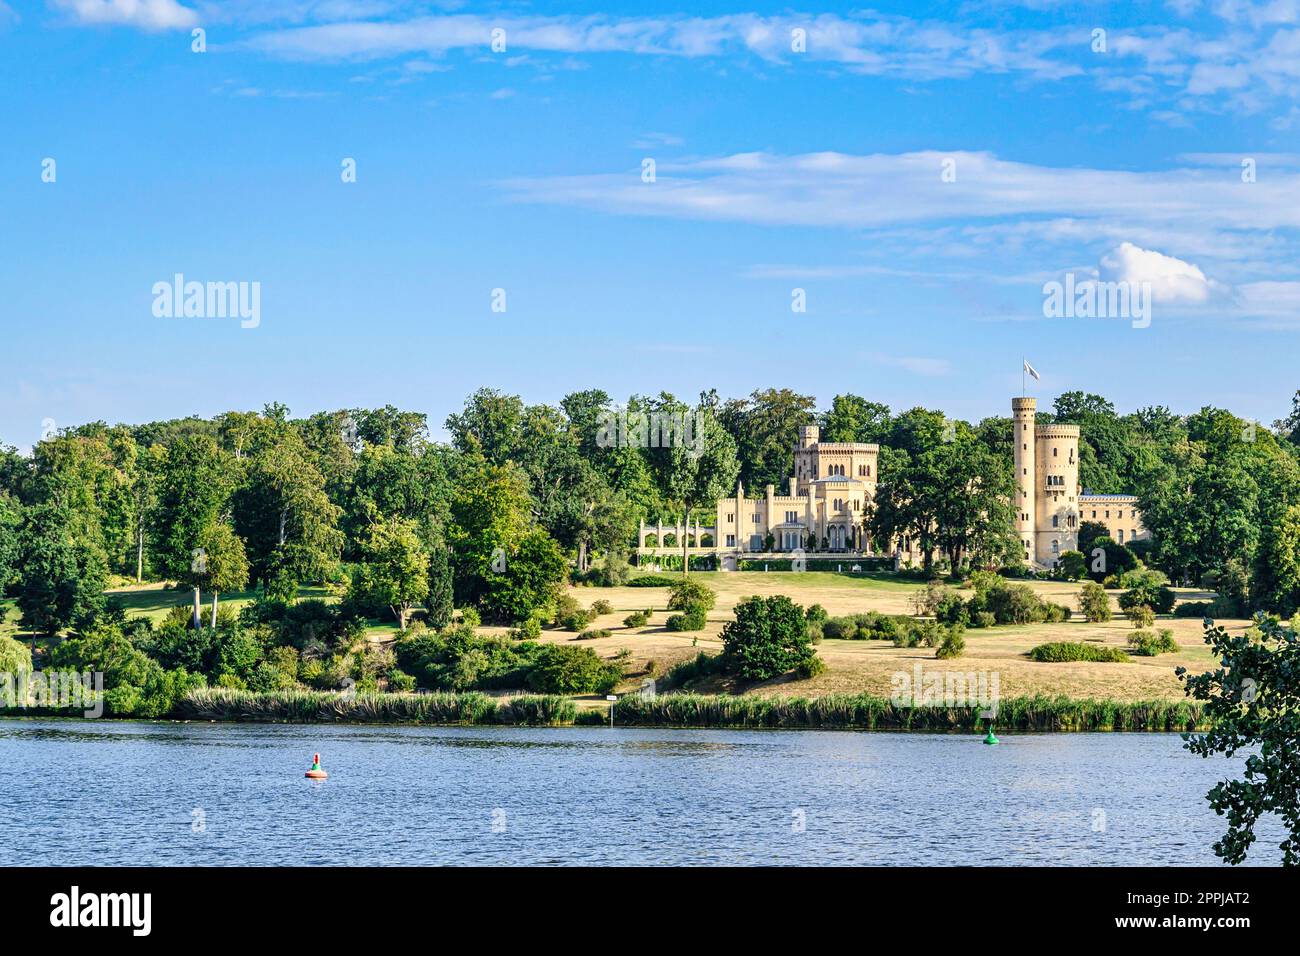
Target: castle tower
{"x":1056,"y":520}
{"x":809,"y":435}
{"x":1023,"y":414}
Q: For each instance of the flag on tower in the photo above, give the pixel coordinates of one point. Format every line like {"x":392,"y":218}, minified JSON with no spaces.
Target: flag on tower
{"x":1030,"y":369}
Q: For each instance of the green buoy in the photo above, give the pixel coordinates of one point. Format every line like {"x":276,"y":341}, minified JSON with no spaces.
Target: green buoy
{"x":991,"y":738}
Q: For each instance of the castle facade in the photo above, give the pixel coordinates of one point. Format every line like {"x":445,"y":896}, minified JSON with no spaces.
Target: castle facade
{"x":832,"y":483}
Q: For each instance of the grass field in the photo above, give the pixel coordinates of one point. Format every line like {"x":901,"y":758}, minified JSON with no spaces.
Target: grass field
{"x":866,"y":666}
{"x":852,"y":666}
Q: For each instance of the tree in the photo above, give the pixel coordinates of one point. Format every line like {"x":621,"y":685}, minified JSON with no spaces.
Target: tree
{"x":441,"y":592}
{"x":854,"y":419}
{"x":530,"y":579}
{"x":765,"y":427}
{"x":220,"y":565}
{"x":394,"y":569}
{"x":768,"y":637}
{"x":490,"y":516}
{"x":489,"y":425}
{"x":1072,"y":565}
{"x":1275,"y":584}
{"x":699,"y":472}
{"x":193,"y":488}
{"x":61,"y":577}
{"x":284,"y":514}
{"x":1094,"y":603}
{"x":1250,"y":703}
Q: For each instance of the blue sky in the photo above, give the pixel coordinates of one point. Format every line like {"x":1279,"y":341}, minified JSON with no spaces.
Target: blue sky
{"x":521,"y":169}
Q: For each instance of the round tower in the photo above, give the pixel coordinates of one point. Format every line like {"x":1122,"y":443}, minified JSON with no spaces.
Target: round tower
{"x":1057,"y":457}
{"x":1023,"y":414}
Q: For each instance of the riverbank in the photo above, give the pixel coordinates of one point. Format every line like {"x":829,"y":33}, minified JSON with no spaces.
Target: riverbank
{"x":833,"y":712}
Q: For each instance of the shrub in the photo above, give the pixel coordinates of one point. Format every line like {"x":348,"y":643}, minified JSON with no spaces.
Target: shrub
{"x":1140,"y":615}
{"x":984,"y":619}
{"x":602,"y":607}
{"x":1146,"y":644}
{"x":689,"y":593}
{"x":952,"y":645}
{"x":1147,"y":591}
{"x":1014,"y":604}
{"x":692,"y":620}
{"x":458,"y":659}
{"x":926,"y":600}
{"x":14,"y":656}
{"x":652,"y":581}
{"x":593,"y":634}
{"x":768,"y":637}
{"x":564,"y":669}
{"x":529,"y":630}
{"x":637,"y":619}
{"x":1055,"y":613}
{"x":1072,"y":565}
{"x":399,"y":681}
{"x":1066,"y":651}
{"x":1194,"y":609}
{"x":1094,"y":603}
{"x":951,"y":609}
{"x":816,"y":614}
{"x":811,"y":667}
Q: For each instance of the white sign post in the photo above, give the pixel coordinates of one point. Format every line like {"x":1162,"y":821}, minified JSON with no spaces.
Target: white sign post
{"x":611,"y":698}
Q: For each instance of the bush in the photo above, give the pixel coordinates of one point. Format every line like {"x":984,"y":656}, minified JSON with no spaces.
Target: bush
{"x":652,"y":581}
{"x":14,"y":656}
{"x":692,"y":620}
{"x":811,"y":667}
{"x":984,"y":619}
{"x":951,"y":609}
{"x":952,"y":645}
{"x":564,"y":669}
{"x":529,"y":630}
{"x":1067,"y":651}
{"x":637,"y":619}
{"x":602,"y":607}
{"x":689,"y":593}
{"x":458,"y":659}
{"x":1014,"y":604}
{"x":593,"y":635}
{"x":816,"y":614}
{"x":1146,"y":644}
{"x":768,"y":637}
{"x":1055,"y":613}
{"x":1072,"y":565}
{"x":1140,"y":615}
{"x":1146,"y":591}
{"x":1094,"y":603}
{"x":1194,"y":609}
{"x":926,"y":600}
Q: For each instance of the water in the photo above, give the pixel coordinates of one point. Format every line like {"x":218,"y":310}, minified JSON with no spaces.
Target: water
{"x":117,"y":793}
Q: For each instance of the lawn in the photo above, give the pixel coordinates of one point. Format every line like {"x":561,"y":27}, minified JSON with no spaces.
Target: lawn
{"x":857,"y":666}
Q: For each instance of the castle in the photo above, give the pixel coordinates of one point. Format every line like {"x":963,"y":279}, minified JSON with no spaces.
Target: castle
{"x":833,"y":482}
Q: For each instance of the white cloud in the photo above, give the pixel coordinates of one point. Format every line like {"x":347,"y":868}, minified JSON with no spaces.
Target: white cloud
{"x":145,"y":14}
{"x":1171,"y":280}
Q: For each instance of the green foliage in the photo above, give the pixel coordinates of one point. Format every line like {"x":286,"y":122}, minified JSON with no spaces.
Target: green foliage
{"x":458,"y":659}
{"x":601,"y":606}
{"x":394,"y":568}
{"x":439,"y":600}
{"x":14,"y":656}
{"x":951,"y":609}
{"x":61,"y":575}
{"x":1064,"y":651}
{"x":652,"y":581}
{"x":693,"y":619}
{"x":1094,"y":603}
{"x":564,"y":669}
{"x":689,"y":593}
{"x":135,"y":685}
{"x":952,"y":645}
{"x":1072,"y":565}
{"x":1252,"y":697}
{"x":637,"y":619}
{"x":1146,"y":589}
{"x":1139,"y":615}
{"x":768,"y":637}
{"x":1146,"y":644}
{"x":594,"y":635}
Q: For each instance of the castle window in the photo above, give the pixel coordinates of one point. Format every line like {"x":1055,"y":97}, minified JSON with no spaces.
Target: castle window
{"x":1054,"y":452}
{"x":1107,"y":512}
{"x":791,"y":517}
{"x":1094,"y":512}
{"x":731,"y":541}
{"x":757,"y":518}
{"x":731,"y":517}
{"x":1132,"y":534}
{"x":1121,"y":535}
{"x":1055,"y":520}
{"x":1056,"y":547}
